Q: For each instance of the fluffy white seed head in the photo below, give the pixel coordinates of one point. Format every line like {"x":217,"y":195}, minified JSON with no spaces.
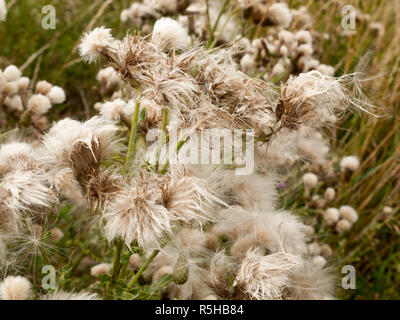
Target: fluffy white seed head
{"x":312,"y":99}
{"x":169,"y":34}
{"x":99,"y":269}
{"x":326,"y":70}
{"x":113,"y":110}
{"x":15,"y":288}
{"x":283,"y":51}
{"x":62,"y":138}
{"x":329,"y":194}
{"x":303,"y":36}
{"x":310,"y":180}
{"x":319,"y":261}
{"x":378,"y":28}
{"x":310,"y":64}
{"x":56,"y":95}
{"x":9,"y":88}
{"x":124,"y":15}
{"x":343,"y":225}
{"x":326,"y":250}
{"x":286,"y":37}
{"x":134,"y":260}
{"x":350,"y":163}
{"x":56,"y":234}
{"x":12,"y":73}
{"x":388,"y":210}
{"x":348,"y":213}
{"x":14,"y":103}
{"x":314,"y":249}
{"x":248,"y":63}
{"x":39,"y":104}
{"x":331,"y":216}
{"x":305,"y":49}
{"x":3,"y":10}
{"x":23,"y":84}
{"x":108,"y":75}
{"x":280,"y":15}
{"x":93,"y":42}
{"x":62,"y":295}
{"x":134,"y":215}
{"x":24,"y":190}
{"x":164,"y":6}
{"x":308,"y":231}
{"x":266,"y":277}
{"x":16,"y":155}
{"x":278,"y":69}
{"x":43,"y":87}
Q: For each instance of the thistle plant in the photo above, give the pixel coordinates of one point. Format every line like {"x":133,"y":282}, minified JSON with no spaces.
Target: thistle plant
{"x":103,"y":200}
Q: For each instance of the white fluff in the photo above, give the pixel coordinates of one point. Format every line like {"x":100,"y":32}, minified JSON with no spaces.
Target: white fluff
{"x":348,"y":213}
{"x":266,"y":277}
{"x":62,"y":295}
{"x":343,"y":225}
{"x":15,"y":288}
{"x":12,"y":73}
{"x":305,"y":49}
{"x":169,"y":34}
{"x":99,"y":269}
{"x":56,"y":95}
{"x":107,"y":75}
{"x":331,"y":215}
{"x":280,"y":14}
{"x":112,"y":110}
{"x":39,"y":104}
{"x":310,"y":180}
{"x":329,"y":194}
{"x":326,"y":70}
{"x":3,"y":10}
{"x":14,"y":103}
{"x":164,"y":6}
{"x":319,"y":261}
{"x":349,"y":163}
{"x":23,"y":84}
{"x":43,"y":87}
{"x":303,"y":36}
{"x":16,"y":155}
{"x":93,"y":42}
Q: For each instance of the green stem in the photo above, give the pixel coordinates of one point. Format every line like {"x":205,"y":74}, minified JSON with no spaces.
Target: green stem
{"x":163,"y":134}
{"x":117,"y":253}
{"x":211,"y":36}
{"x":132,"y":136}
{"x":123,"y":270}
{"x":178,"y":147}
{"x":77,"y":262}
{"x":136,"y":277}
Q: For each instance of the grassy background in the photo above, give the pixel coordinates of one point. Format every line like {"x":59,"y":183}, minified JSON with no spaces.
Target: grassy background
{"x":372,"y":245}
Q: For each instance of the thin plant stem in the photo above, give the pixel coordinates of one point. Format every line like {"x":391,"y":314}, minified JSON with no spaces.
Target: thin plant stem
{"x":143,"y":268}
{"x":178,"y":147}
{"x":163,"y":134}
{"x":132,"y":136}
{"x":77,"y":262}
{"x":117,"y":253}
{"x":211,"y":36}
{"x":122,"y":270}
